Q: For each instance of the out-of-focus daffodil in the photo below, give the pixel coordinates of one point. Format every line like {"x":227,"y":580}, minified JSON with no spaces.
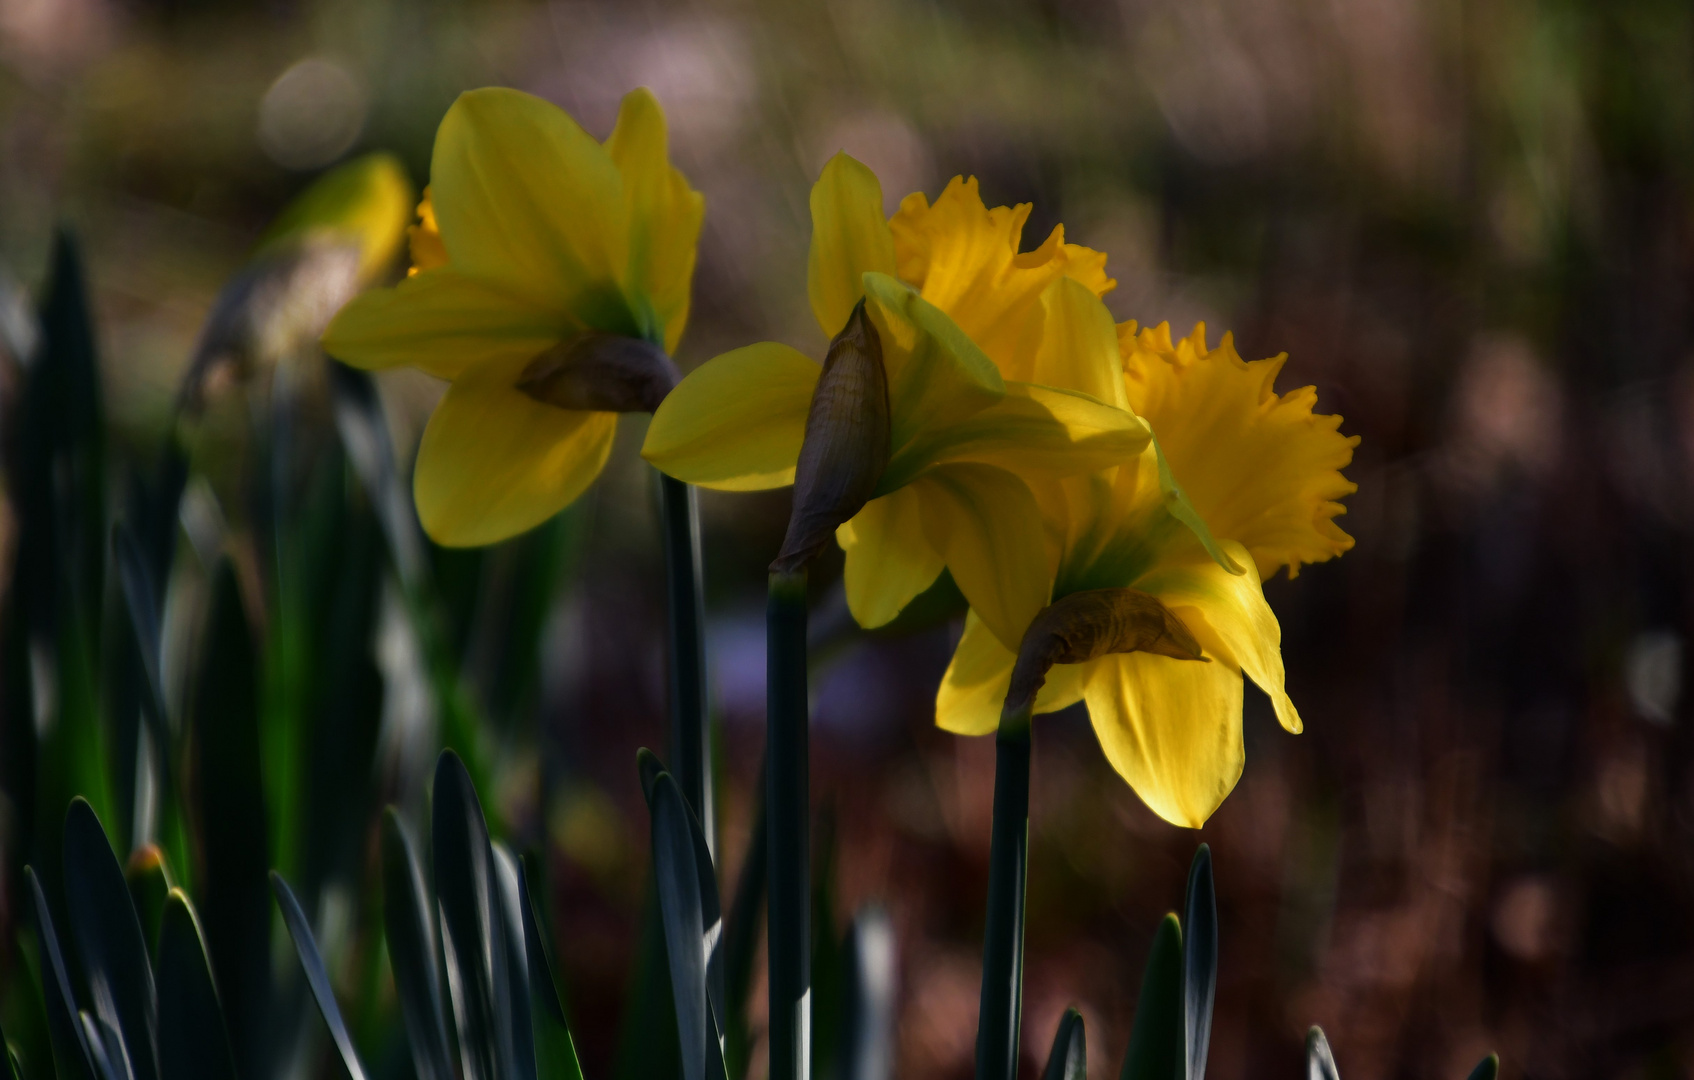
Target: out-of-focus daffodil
{"x":550,"y":282}
{"x":337,"y":237}
{"x":1158,"y":611}
{"x":995,"y":366}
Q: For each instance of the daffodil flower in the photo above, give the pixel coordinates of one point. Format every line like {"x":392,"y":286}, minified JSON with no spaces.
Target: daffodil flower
{"x":550,"y":282}
{"x":997,"y":366}
{"x":335,"y":238}
{"x":1163,"y":556}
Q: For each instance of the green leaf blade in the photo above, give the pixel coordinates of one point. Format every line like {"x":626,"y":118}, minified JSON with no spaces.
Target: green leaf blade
{"x":109,"y":939}
{"x":193,"y":1041}
{"x":317,"y":976}
{"x":1156,"y":1040}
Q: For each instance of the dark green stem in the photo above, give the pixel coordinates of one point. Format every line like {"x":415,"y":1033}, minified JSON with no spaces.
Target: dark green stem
{"x":691,"y":745}
{"x":787,"y":815}
{"x":1002,"y":946}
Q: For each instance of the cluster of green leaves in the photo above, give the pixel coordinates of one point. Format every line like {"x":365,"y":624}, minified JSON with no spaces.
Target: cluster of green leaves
{"x":508,"y":1021}
{"x":134,"y":999}
{"x":1173,"y":1015}
{"x":189,"y":646}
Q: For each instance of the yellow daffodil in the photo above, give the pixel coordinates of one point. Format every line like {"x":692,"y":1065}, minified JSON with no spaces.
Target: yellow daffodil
{"x":550,"y":282}
{"x":998,"y":365}
{"x":1164,"y":555}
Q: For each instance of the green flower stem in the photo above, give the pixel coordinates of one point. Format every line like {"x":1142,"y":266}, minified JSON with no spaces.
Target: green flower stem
{"x":1008,"y":863}
{"x":788,"y":816}
{"x":691,"y":746}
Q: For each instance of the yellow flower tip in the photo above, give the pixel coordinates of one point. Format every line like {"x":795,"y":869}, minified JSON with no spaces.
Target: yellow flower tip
{"x":1259,"y":468}
{"x":364,"y":202}
{"x":424,"y":239}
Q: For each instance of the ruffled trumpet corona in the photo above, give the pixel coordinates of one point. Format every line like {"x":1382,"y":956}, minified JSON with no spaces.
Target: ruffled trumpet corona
{"x":1157,"y":609}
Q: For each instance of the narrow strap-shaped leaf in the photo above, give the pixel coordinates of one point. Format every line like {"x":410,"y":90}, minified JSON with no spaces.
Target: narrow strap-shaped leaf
{"x":71,"y":1052}
{"x":1155,"y":1042}
{"x":678,"y":880}
{"x":111,"y":1056}
{"x":409,"y":923}
{"x":108,"y":935}
{"x":1068,"y":1060}
{"x":1486,"y":1069}
{"x":7,"y":1058}
{"x":1320,"y":1061}
{"x":1199,"y":962}
{"x":149,"y":884}
{"x":711,"y":925}
{"x":471,"y":926}
{"x":514,"y":1000}
{"x":555,"y":1052}
{"x":867,"y":1037}
{"x":141,"y":596}
{"x":193,"y":1041}
{"x":306,"y":947}
{"x":363,"y":428}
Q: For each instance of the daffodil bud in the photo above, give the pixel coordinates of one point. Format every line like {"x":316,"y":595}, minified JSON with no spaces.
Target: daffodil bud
{"x":846,"y":447}
{"x":598,"y":372}
{"x":274,"y":308}
{"x":1087,"y":625}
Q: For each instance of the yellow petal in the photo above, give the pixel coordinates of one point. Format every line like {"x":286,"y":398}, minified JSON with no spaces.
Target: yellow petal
{"x":526,"y":198}
{"x":1171,"y":728}
{"x":737,"y":421}
{"x":442,"y":322}
{"x":964,"y":258}
{"x":427,"y":250}
{"x":849,"y":237}
{"x":494,"y":462}
{"x":988,"y":529}
{"x":1079,"y":344}
{"x":367,"y":201}
{"x":1259,"y":468}
{"x":1228,"y":614}
{"x":936,"y":375}
{"x":889,"y":558}
{"x":974,"y":688}
{"x":664,"y":219}
{"x":1030,"y":430}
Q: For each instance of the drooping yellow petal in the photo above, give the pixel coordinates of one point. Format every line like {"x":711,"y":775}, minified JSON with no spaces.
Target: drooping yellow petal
{"x":890,"y":560}
{"x":1259,"y":468}
{"x":494,"y":462}
{"x":1228,"y":615}
{"x":526,"y":198}
{"x":427,"y":250}
{"x":987,"y":527}
{"x":1029,"y":430}
{"x":964,"y":258}
{"x":974,"y":688}
{"x":1171,"y":728}
{"x":664,"y":219}
{"x":365,"y":201}
{"x":442,"y":322}
{"x":936,"y":375}
{"x":737,"y":421}
{"x":849,"y":238}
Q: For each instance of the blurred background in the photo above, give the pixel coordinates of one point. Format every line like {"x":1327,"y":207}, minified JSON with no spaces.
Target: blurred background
{"x":1469,"y":222}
